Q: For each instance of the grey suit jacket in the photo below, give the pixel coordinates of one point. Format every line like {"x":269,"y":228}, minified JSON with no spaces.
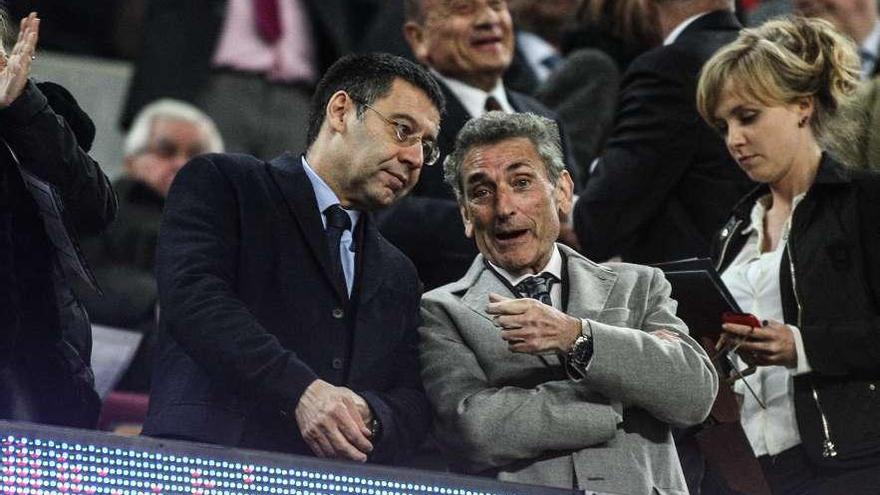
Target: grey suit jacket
{"x":519,"y":417}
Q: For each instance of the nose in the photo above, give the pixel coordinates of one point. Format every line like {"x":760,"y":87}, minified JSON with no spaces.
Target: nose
{"x":412,"y":155}
{"x":504,"y":203}
{"x":486,"y":16}
{"x":179,"y":160}
{"x":734,"y":137}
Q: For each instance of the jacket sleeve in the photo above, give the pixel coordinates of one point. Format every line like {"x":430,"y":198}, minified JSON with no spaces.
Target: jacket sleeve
{"x":46,"y":147}
{"x":674,"y":381}
{"x":197,"y":270}
{"x":644,"y":158}
{"x":850,"y":346}
{"x":403,"y":411}
{"x":492,"y":426}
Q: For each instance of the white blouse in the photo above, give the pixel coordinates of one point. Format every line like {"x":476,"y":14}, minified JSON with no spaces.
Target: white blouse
{"x":753,"y":280}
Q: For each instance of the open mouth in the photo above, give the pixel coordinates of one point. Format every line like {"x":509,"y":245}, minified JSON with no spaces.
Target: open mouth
{"x":510,"y":235}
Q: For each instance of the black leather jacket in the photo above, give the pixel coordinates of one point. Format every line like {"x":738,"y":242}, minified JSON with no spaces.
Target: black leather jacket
{"x":830,"y":284}
{"x":45,"y":337}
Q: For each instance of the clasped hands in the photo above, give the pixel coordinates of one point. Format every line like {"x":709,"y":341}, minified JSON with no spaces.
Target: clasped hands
{"x":769,"y":345}
{"x":334,"y":422}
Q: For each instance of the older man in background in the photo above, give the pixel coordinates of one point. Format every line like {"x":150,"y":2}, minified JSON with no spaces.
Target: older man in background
{"x":164,"y":136}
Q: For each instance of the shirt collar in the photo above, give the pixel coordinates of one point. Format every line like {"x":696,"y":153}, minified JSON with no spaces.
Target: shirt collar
{"x":554,"y":267}
{"x":474,"y":99}
{"x":872,"y":42}
{"x":868,"y":51}
{"x":535,"y":50}
{"x":325,"y":195}
{"x":680,"y":28}
{"x":759,"y":211}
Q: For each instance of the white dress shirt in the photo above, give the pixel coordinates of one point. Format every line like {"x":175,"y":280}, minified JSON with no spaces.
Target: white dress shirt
{"x":675,"y":33}
{"x":870,"y":47}
{"x":753,"y":280}
{"x":536,"y":50}
{"x":474,"y":99}
{"x":554,"y":267}
{"x":326,"y":198}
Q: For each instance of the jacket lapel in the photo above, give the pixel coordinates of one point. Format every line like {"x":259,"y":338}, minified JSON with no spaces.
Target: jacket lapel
{"x":589,"y":285}
{"x":371,"y":262}
{"x":477,"y":284}
{"x":288,"y":173}
{"x":456,"y":117}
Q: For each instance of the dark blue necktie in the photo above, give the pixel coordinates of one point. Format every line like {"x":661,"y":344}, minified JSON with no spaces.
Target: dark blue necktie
{"x":538,"y":287}
{"x":338,"y":222}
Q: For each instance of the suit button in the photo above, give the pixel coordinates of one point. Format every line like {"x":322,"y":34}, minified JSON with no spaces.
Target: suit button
{"x":338,"y":313}
{"x":872,"y":387}
{"x":337,"y":363}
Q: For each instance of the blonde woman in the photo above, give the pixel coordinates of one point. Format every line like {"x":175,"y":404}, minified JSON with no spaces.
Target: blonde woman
{"x":802,"y":253}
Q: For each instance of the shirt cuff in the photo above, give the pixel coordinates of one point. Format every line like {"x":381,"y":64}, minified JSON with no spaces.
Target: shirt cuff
{"x":803,"y":366}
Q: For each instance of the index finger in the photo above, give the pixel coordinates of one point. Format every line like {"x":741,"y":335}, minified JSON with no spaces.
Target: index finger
{"x":354,"y":434}
{"x":508,"y":307}
{"x":741,"y":330}
{"x":341,"y":446}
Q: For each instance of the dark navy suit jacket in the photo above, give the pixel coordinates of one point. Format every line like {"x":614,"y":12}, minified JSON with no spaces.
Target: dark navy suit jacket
{"x":250,"y":316}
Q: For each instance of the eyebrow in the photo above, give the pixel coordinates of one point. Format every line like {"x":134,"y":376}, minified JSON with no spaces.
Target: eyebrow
{"x":512,"y":168}
{"x":412,"y":121}
{"x":733,"y":111}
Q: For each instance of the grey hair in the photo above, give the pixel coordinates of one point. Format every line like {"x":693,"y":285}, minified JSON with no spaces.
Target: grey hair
{"x":494,"y":127}
{"x":138,"y":138}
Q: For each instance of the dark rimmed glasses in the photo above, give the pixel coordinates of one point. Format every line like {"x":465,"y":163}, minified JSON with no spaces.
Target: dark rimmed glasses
{"x":405,"y":136}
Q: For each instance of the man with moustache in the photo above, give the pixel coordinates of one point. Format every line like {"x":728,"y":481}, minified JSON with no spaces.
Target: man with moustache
{"x":542,"y":366}
{"x":275,"y":286}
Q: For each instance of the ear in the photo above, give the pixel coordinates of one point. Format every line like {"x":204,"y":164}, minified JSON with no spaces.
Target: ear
{"x":805,"y":106}
{"x":564,"y":194}
{"x":415,"y":36}
{"x":335,"y":112}
{"x":465,"y":217}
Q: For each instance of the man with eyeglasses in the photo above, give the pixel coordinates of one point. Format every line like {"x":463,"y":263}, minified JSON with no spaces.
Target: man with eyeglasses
{"x":287,"y":322}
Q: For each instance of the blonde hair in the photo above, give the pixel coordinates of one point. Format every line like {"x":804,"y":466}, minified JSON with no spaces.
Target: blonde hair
{"x":781,"y":62}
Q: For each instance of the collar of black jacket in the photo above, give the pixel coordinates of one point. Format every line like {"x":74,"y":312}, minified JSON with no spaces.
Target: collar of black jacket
{"x":830,"y":172}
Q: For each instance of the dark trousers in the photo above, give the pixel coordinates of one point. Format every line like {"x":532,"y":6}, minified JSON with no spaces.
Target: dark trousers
{"x":792,"y":473}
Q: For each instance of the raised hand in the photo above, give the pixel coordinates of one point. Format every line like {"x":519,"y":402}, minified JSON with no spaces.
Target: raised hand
{"x":16,"y":65}
{"x":532,"y":327}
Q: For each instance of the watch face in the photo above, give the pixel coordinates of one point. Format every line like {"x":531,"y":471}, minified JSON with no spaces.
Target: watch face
{"x":582,"y":350}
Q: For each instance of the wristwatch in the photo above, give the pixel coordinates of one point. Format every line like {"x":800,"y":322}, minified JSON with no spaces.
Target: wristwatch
{"x":582,"y":351}
{"x":375,"y":429}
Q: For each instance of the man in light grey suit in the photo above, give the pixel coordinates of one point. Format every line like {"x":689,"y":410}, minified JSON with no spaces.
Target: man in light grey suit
{"x":570,"y":378}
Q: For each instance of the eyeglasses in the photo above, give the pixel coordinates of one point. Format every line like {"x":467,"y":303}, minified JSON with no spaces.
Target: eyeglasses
{"x":406,"y":137}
